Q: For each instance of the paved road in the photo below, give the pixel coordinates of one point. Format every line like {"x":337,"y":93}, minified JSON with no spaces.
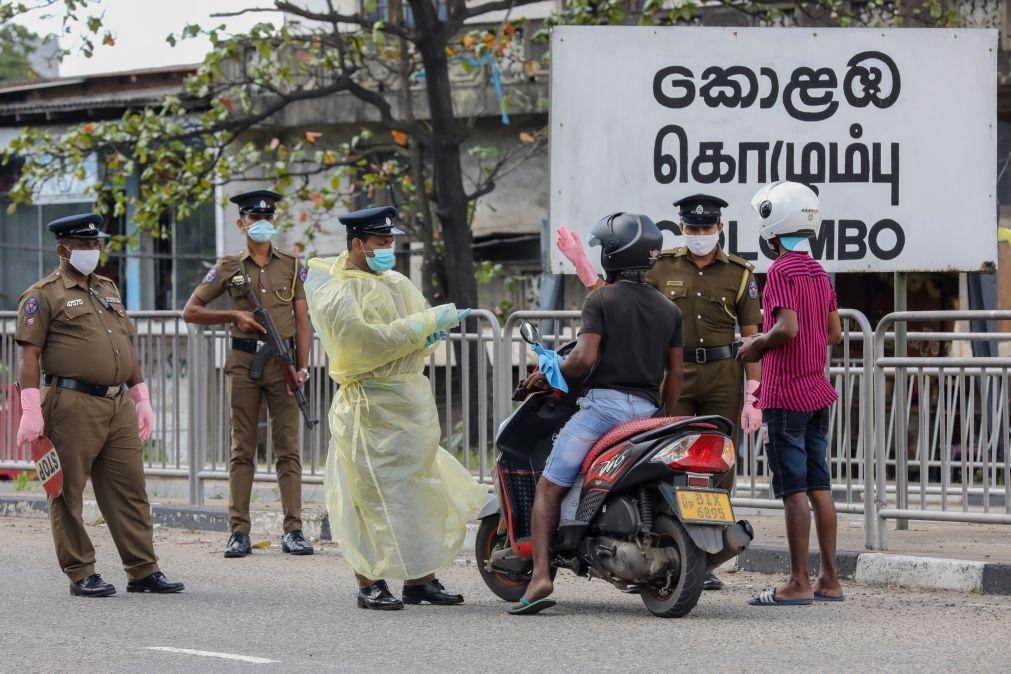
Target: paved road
{"x":300,"y":613}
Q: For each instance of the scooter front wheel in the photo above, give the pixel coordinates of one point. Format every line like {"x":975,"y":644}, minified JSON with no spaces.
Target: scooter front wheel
{"x":505,"y":585}
{"x":681,"y":596}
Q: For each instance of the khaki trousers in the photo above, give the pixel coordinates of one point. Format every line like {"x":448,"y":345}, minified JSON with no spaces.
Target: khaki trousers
{"x":97,"y":438}
{"x":246,"y":396}
{"x":714,"y":388}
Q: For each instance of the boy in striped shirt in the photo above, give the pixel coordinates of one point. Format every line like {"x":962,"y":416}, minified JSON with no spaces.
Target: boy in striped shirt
{"x":801,"y":320}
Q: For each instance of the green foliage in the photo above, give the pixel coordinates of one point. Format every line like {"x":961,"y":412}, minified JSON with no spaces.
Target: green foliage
{"x":487,"y":270}
{"x":17,"y":43}
{"x":25,"y":481}
{"x":221,"y":128}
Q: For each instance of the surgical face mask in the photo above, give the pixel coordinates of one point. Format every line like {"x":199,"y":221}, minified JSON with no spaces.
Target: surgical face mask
{"x":261,"y":231}
{"x":383,"y":261}
{"x":798,"y":244}
{"x":84,"y":261}
{"x":702,"y":244}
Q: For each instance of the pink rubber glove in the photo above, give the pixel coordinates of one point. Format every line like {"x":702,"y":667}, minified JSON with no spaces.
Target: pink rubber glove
{"x":32,"y":424}
{"x":145,"y":415}
{"x":751,"y":418}
{"x":572,"y":249}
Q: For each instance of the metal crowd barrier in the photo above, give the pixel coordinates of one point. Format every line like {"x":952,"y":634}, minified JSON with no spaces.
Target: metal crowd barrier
{"x":849,"y":460}
{"x":922,"y":438}
{"x":184,"y":366}
{"x":942,"y":430}
{"x":461,"y":380}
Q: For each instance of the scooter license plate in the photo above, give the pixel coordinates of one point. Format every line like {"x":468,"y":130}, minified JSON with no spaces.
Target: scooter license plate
{"x":704,"y":506}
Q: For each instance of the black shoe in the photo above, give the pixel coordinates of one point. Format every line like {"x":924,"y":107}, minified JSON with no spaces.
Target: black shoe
{"x":156,"y":583}
{"x":433,"y":592}
{"x":238,"y":545}
{"x":712,"y":582}
{"x":295,"y":543}
{"x":378,"y":596}
{"x":92,"y":586}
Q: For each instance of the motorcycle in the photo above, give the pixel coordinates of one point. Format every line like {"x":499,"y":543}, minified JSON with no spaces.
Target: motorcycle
{"x":644,"y":515}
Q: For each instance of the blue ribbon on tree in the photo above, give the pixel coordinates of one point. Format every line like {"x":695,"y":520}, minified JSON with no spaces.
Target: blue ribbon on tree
{"x":496,"y":80}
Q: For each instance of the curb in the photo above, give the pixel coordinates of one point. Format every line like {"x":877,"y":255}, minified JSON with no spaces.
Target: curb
{"x":880,"y":568}
{"x":865,"y":568}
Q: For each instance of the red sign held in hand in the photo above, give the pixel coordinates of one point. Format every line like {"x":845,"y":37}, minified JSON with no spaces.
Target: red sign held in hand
{"x":47,"y":465}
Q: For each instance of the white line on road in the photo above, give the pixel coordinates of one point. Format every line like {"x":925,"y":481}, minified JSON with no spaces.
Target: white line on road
{"x":213,"y":654}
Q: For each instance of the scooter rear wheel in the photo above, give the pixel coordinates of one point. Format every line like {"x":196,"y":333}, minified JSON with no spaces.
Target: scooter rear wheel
{"x":685,"y":594}
{"x":507,"y":586}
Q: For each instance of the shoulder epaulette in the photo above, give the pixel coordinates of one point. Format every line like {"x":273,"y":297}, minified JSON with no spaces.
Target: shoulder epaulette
{"x":741,"y":261}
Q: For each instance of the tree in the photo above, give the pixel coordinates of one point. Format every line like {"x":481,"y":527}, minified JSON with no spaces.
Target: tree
{"x":398,"y":64}
{"x":17,"y":43}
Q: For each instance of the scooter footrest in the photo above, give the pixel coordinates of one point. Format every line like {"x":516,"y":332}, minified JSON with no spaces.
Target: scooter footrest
{"x":570,"y":532}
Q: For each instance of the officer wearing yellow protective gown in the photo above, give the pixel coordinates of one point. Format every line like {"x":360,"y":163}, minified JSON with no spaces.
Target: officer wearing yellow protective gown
{"x":398,"y":502}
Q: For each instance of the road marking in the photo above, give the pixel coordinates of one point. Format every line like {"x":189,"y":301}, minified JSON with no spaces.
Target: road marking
{"x":213,"y":654}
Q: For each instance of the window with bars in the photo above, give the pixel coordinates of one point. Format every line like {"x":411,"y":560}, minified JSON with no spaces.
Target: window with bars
{"x":28,"y":253}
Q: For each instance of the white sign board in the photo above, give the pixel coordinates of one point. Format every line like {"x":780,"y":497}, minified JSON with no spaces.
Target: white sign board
{"x":896,"y":130}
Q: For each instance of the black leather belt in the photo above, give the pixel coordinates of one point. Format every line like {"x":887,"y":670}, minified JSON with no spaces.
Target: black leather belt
{"x":254,"y":345}
{"x":83,"y":387}
{"x":699,"y":356}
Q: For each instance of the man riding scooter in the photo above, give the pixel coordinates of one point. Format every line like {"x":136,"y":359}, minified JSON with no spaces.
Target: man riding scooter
{"x":629,"y":349}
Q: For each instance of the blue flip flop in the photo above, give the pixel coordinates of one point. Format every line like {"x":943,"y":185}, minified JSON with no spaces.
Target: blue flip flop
{"x":828,"y":597}
{"x":768,"y":598}
{"x":528,"y":607}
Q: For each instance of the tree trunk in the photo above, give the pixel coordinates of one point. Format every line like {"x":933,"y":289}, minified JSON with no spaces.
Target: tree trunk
{"x":457,"y":261}
{"x":445,"y":153}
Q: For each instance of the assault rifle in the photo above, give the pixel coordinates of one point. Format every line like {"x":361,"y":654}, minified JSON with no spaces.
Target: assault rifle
{"x":276,"y":347}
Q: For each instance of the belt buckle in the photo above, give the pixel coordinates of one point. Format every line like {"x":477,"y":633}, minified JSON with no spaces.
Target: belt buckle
{"x":113,"y":391}
{"x":700,"y":355}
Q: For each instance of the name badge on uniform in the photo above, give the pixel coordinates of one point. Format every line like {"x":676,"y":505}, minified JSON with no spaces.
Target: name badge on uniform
{"x":676,"y":284}
{"x":75,"y":303}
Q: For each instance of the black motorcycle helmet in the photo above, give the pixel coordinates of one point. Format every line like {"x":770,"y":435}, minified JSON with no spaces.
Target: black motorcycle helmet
{"x":627,"y":241}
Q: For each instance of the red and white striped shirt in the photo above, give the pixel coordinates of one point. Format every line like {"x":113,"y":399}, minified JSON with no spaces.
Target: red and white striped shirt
{"x":793,"y":375}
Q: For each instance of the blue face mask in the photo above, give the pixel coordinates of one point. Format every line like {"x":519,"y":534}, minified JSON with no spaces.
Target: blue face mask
{"x":261,"y":231}
{"x":383,"y":261}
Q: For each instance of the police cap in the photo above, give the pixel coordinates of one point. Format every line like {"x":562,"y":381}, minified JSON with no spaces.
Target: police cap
{"x":83,"y":226}
{"x":257,"y":201}
{"x":701,"y":210}
{"x":379,"y":221}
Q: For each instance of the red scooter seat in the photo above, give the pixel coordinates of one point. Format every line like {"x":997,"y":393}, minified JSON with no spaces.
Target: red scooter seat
{"x":624,"y":432}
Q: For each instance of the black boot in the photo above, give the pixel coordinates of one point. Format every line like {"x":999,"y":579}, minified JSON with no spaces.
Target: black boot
{"x":156,"y":583}
{"x":433,"y":592}
{"x":712,"y":582}
{"x":378,"y":596}
{"x":92,"y":586}
{"x":295,"y":543}
{"x":238,"y":545}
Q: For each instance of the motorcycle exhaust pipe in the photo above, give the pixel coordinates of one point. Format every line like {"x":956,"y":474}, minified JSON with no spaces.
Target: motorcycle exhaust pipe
{"x":736,"y":538}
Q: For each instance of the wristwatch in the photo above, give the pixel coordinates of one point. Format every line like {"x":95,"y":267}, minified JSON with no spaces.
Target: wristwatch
{"x":305,"y":370}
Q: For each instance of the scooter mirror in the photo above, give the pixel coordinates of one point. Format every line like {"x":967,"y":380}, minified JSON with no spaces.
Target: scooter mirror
{"x":529,"y":333}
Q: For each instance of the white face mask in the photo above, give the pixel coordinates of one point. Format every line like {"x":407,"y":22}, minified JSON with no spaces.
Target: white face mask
{"x":702,"y":244}
{"x":84,"y":261}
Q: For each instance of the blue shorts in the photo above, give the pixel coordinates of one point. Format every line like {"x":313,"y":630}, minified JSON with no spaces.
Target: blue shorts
{"x":600,"y":410}
{"x":795,"y":449}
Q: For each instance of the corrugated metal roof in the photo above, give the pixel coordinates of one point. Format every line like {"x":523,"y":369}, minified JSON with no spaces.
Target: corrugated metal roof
{"x":150,"y":96}
{"x":29,"y":85}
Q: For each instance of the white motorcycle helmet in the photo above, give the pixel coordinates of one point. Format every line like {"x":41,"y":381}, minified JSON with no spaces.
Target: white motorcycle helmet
{"x":787,"y":209}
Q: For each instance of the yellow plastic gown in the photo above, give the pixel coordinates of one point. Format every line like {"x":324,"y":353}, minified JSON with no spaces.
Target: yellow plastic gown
{"x":398,"y":502}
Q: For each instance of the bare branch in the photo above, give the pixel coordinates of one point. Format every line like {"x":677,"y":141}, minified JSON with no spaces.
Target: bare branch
{"x":352,"y":19}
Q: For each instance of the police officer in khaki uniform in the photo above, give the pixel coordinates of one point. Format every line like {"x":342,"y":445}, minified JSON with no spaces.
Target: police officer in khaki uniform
{"x":72,"y":323}
{"x":715,"y":292}
{"x":276,"y":277}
